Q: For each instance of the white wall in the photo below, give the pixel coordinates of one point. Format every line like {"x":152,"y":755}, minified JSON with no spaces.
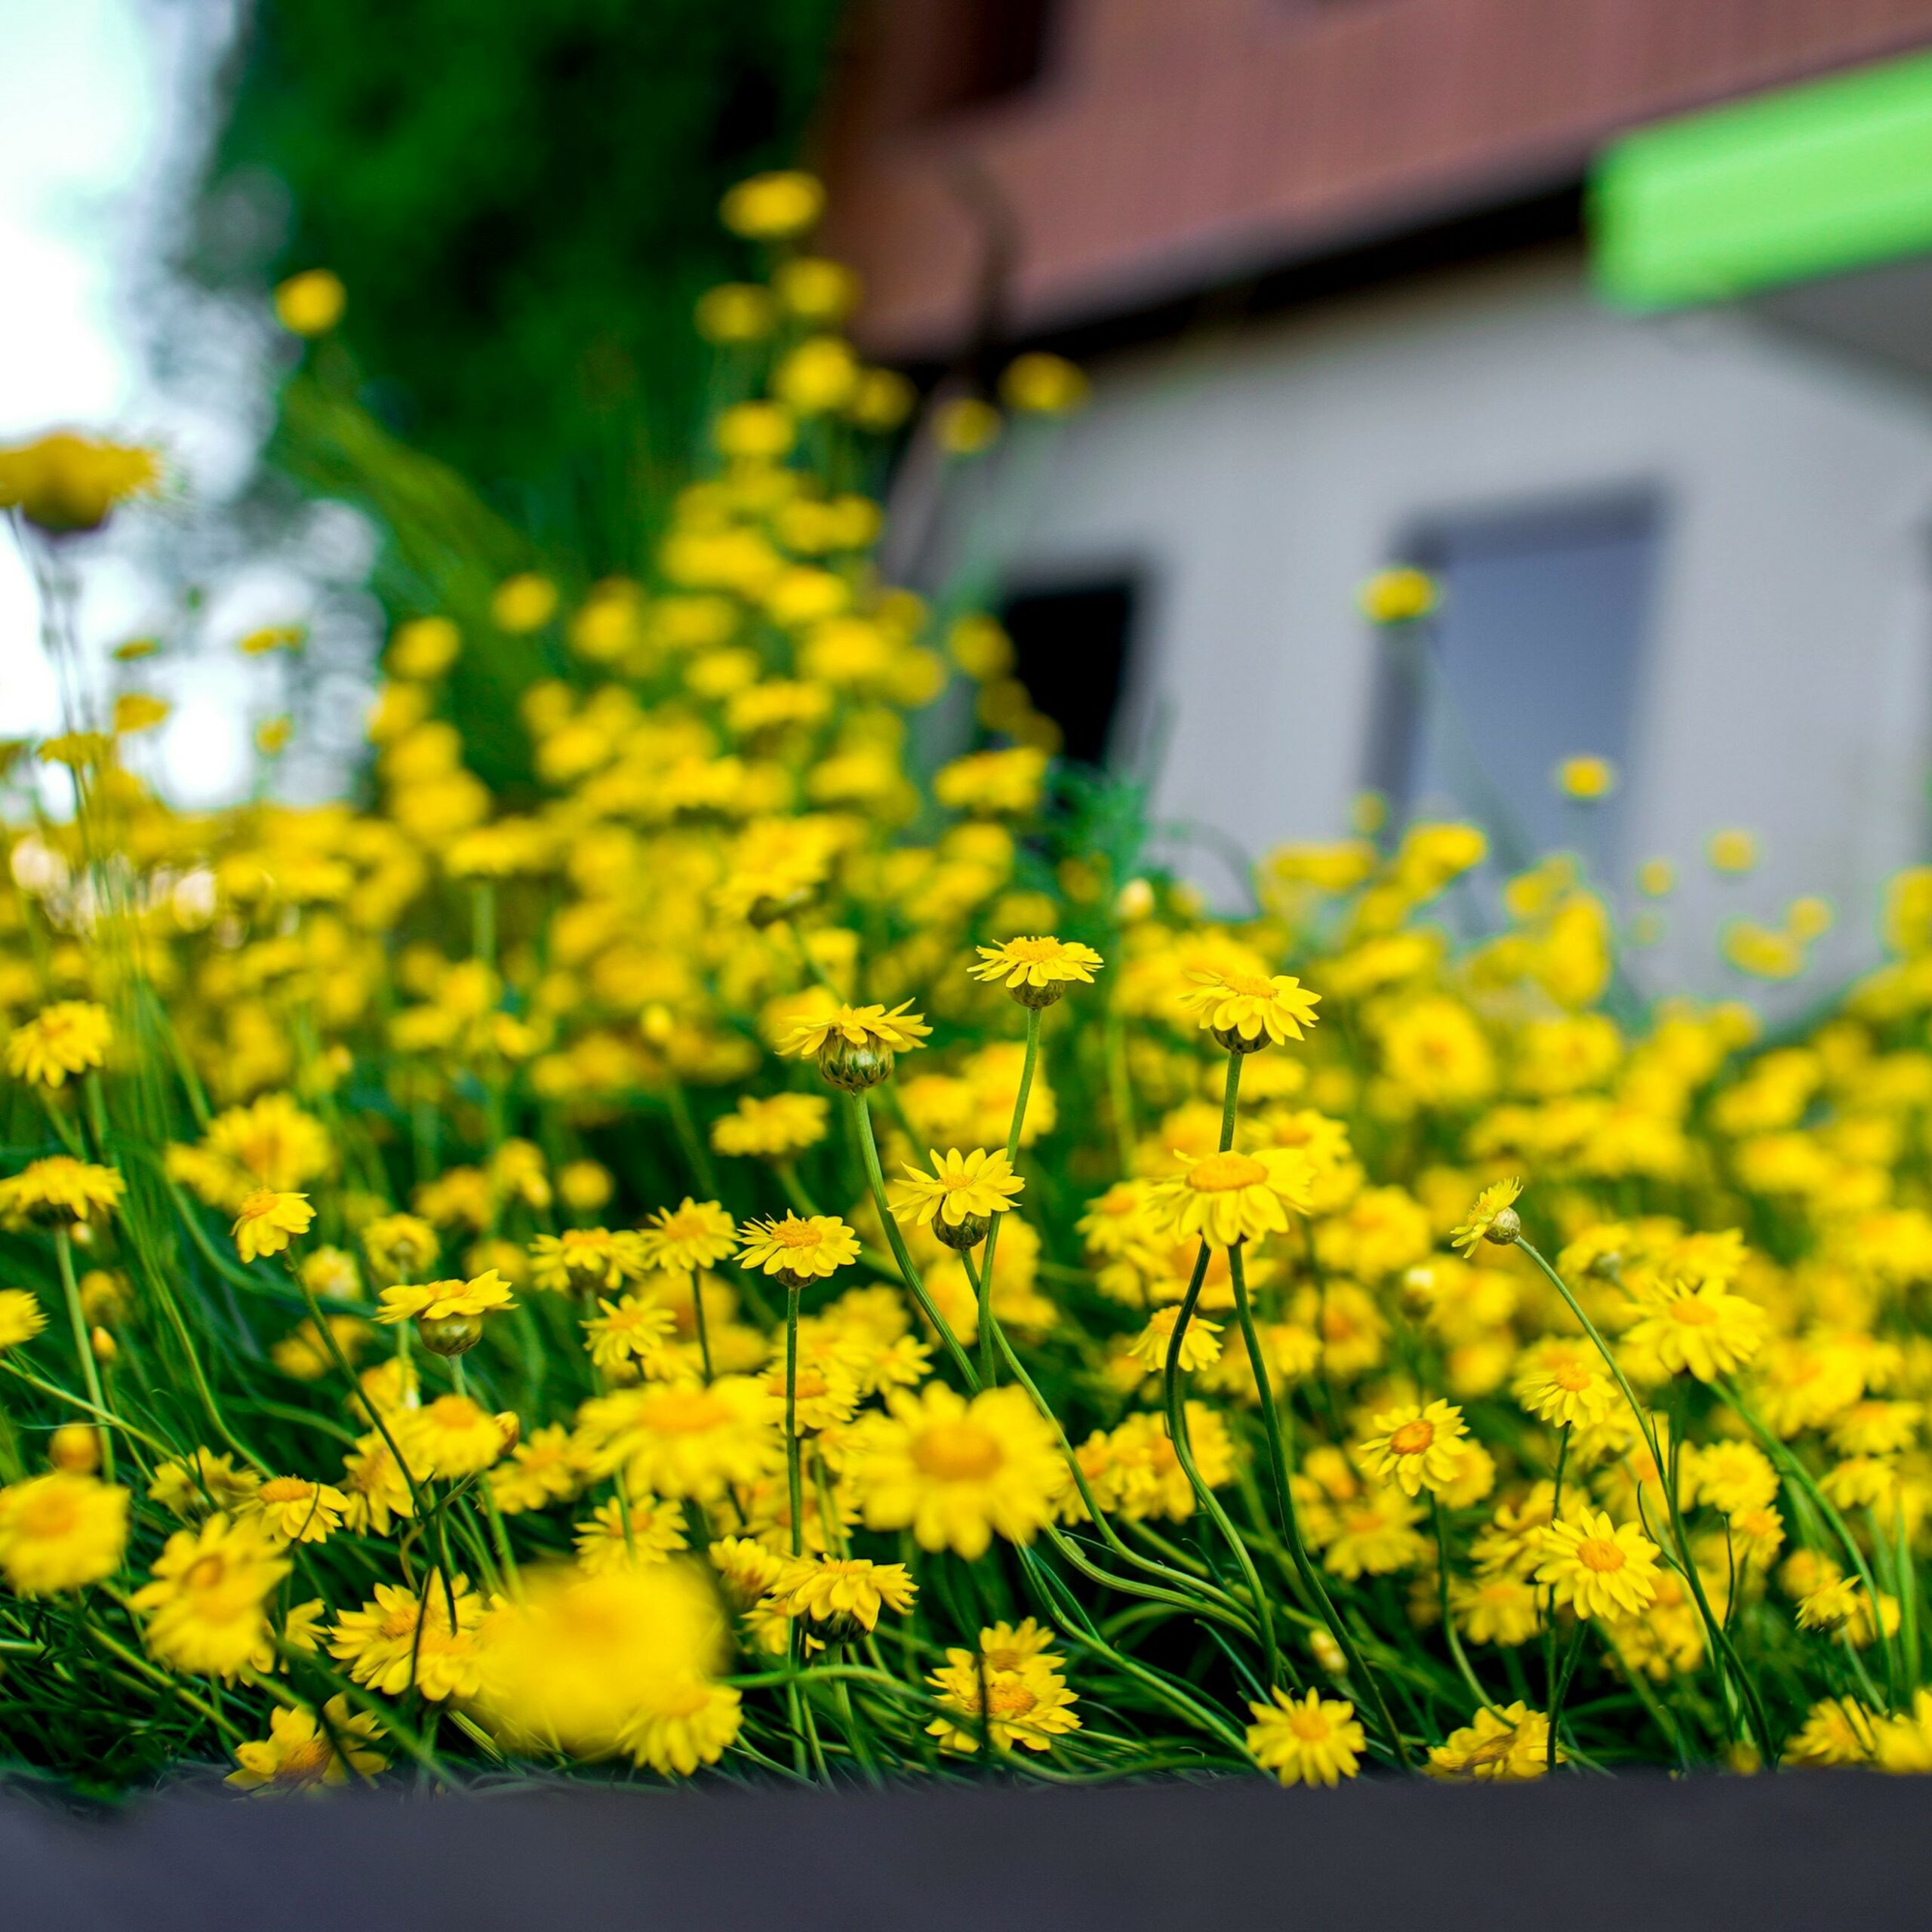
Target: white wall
{"x":1260,"y":474}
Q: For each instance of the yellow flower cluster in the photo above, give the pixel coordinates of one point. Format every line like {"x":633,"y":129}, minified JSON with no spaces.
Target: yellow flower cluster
{"x":457,"y":1310}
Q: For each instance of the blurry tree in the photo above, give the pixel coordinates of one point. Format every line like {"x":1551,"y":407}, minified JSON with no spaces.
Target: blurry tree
{"x":520,"y":195}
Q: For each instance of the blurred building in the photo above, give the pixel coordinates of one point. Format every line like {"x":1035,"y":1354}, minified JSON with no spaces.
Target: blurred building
{"x":1612,"y":312}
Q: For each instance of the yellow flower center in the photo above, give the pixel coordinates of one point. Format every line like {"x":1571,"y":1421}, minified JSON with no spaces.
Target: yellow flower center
{"x":1003,"y":1659}
{"x":1311,"y":1727}
{"x":1572,"y":1376}
{"x":1601,"y":1553}
{"x":205,"y":1573}
{"x":1222,"y":1173}
{"x":1011,"y":1700}
{"x":957,"y":1452}
{"x":1692,"y":1313}
{"x":1248,"y":985}
{"x":1412,"y":1437}
{"x":687,"y":1412}
{"x":53,"y":1513}
{"x":1033,"y":952}
{"x":286,"y":1489}
{"x":398,"y":1623}
{"x":683,"y":1227}
{"x":797,"y":1234}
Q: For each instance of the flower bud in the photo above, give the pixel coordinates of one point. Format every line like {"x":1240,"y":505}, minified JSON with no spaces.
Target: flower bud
{"x":1507,"y":1229}
{"x":450,"y":1335}
{"x":962,"y":1235}
{"x":854,"y":1067}
{"x":105,"y":1346}
{"x":75,"y":1446}
{"x":1237,"y":1042}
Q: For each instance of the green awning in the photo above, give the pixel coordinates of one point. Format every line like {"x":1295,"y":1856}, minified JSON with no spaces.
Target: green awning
{"x":1836,"y":174}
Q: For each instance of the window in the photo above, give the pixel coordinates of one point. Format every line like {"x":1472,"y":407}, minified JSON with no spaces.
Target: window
{"x":987,"y":50}
{"x":1071,"y":646}
{"x":1532,"y":658}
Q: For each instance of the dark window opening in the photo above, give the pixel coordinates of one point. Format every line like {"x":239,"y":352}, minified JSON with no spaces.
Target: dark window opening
{"x":1532,"y":657}
{"x":989,"y":49}
{"x":1070,"y":646}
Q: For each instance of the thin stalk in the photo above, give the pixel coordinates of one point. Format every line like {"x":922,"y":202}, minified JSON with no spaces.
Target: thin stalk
{"x":989,"y":1360}
{"x":876,"y":1181}
{"x":63,"y":1249}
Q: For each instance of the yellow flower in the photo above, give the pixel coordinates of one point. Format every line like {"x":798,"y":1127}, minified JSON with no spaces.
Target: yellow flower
{"x":65,"y":1038}
{"x":60,"y":1189}
{"x":694,"y":1234}
{"x":524,"y":603}
{"x":1836,"y":1730}
{"x":1599,"y":1567}
{"x":956,"y":1472}
{"x":581,"y":1259}
{"x":310,"y":303}
{"x":293,"y":1510}
{"x":1564,"y":1382}
{"x":1699,"y":1327}
{"x":618,"y":1661}
{"x":399,"y":1245}
{"x":1732,"y":851}
{"x":267,"y":1220}
{"x":1010,"y":1691}
{"x":616,"y":1538}
{"x":1493,"y":1218}
{"x":376,"y":1489}
{"x":1245,"y":1011}
{"x":1312,"y":1740}
{"x":1509,"y":1746}
{"x":1226,"y":1198}
{"x":797,"y":1248}
{"x":1200,"y":1344}
{"x":60,"y":1532}
{"x":1038,"y":384}
{"x":406,"y":1638}
{"x":628,"y":1328}
{"x":542,"y":1469}
{"x":201,"y":1483}
{"x":1398,"y":594}
{"x":965,"y":425}
{"x":66,"y":484}
{"x":772,"y":207}
{"x":1496,"y":1610}
{"x":454,"y":1436}
{"x":1586,"y":776}
{"x":206,"y":1607}
{"x":683,"y":1438}
{"x":300,"y":1754}
{"x":436,"y":1301}
{"x":1417,"y":1448}
{"x":20,"y":1317}
{"x":1037,"y":971}
{"x":855,"y":1045}
{"x":773,"y":1129}
{"x":962,"y":1191}
{"x":842,"y":1594}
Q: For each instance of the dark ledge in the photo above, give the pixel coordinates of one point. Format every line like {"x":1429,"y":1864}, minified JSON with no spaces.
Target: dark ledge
{"x":1806,"y":1852}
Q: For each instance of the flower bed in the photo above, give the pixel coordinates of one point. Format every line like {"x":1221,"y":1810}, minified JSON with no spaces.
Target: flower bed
{"x":765,"y":1262}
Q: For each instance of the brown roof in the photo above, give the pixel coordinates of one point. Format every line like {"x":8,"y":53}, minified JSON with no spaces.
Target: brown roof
{"x":1167,"y":146}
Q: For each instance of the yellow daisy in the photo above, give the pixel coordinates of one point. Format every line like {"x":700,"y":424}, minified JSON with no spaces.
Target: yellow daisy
{"x":1312,"y":1740}
{"x":1226,"y":1197}
{"x":1037,"y":971}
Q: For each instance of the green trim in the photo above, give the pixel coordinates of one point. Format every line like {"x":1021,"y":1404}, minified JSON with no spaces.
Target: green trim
{"x":1834,"y":175}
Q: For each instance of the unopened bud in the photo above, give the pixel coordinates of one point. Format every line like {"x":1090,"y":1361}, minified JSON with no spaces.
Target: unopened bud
{"x":450,"y":1335}
{"x":1507,"y":1229}
{"x":75,"y":1446}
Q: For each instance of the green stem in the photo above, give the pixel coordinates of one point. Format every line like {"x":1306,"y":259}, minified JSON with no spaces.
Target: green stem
{"x":63,"y":1249}
{"x":988,"y":1342}
{"x":876,"y":1181}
